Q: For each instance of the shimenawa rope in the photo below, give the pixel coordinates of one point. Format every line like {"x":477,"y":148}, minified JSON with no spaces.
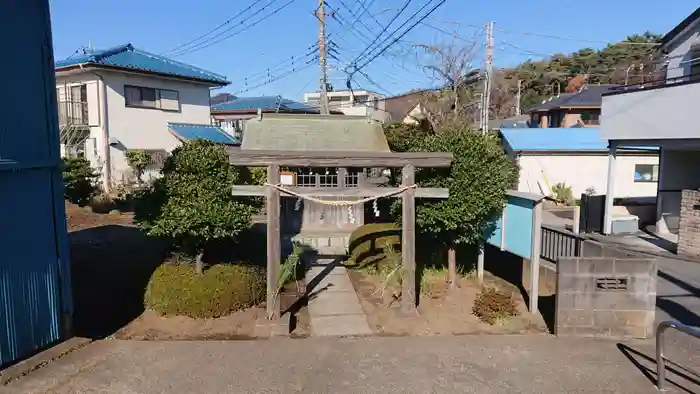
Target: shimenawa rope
{"x":340,"y":202}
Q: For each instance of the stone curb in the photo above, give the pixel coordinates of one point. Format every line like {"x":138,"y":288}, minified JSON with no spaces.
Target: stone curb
{"x":42,"y":359}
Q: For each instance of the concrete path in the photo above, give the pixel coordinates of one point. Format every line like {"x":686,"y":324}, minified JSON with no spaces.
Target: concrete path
{"x":467,"y":364}
{"x":334,"y":308}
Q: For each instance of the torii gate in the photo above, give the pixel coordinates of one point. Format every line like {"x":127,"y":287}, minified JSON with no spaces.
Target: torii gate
{"x":273,"y":160}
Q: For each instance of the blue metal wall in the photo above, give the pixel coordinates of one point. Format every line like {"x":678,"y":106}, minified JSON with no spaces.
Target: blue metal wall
{"x":513,"y":230}
{"x":35,"y":298}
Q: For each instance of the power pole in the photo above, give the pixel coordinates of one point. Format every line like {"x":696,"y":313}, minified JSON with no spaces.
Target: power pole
{"x":517,"y":97}
{"x":321,"y":15}
{"x":488,"y":78}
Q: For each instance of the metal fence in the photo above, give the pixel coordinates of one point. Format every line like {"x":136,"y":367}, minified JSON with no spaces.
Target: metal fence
{"x":558,"y":243}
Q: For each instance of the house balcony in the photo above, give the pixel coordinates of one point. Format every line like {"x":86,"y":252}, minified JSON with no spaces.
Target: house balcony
{"x":656,"y":110}
{"x":72,"y":113}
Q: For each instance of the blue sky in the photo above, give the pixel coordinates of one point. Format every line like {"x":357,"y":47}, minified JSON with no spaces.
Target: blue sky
{"x":159,"y":26}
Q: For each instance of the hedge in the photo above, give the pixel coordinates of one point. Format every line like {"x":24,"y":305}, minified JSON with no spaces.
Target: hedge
{"x":367,"y":243}
{"x":222,"y":289}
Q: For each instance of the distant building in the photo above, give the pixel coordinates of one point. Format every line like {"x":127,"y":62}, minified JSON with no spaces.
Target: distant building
{"x":113,"y":100}
{"x":357,"y":102}
{"x":578,"y":157}
{"x":580,"y":108}
{"x":231,"y":115}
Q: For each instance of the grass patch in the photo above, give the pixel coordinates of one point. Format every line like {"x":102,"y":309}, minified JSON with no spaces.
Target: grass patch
{"x":224,"y":288}
{"x":493,"y":306}
{"x":432,"y":281}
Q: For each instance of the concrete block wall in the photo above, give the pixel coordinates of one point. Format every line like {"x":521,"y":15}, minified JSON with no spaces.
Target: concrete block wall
{"x":689,"y":228}
{"x":606,"y":297}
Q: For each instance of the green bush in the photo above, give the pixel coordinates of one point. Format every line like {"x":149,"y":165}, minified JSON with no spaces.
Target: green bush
{"x":191,"y":204}
{"x":225,"y":288}
{"x":368,"y":243}
{"x":79,"y":180}
{"x":478,"y":179}
{"x":563,"y":194}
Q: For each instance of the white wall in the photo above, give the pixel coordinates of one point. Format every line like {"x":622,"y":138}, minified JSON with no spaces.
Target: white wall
{"x":145,"y":128}
{"x":581,"y":171}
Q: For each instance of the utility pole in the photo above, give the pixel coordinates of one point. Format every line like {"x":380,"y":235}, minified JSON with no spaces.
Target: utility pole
{"x":488,"y":78}
{"x":517,"y":97}
{"x":322,"y":49}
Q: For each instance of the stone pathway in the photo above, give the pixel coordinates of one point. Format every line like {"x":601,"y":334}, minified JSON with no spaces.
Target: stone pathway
{"x":334,"y":308}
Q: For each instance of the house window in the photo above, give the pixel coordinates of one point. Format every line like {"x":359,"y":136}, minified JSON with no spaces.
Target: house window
{"x":646,"y":173}
{"x":695,"y":62}
{"x":141,"y":97}
{"x":590,"y":117}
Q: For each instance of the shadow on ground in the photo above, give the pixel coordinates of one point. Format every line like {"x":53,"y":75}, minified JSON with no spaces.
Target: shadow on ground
{"x":677,"y":376}
{"x":110,"y":268}
{"x":509,"y":267}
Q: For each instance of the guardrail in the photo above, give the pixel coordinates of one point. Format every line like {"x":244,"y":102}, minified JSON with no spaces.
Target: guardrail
{"x":660,"y":360}
{"x":559,"y":243}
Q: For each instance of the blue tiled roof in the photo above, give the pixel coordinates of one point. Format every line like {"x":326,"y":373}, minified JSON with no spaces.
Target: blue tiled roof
{"x":128,"y":57}
{"x":189,"y":132}
{"x":574,"y":139}
{"x":554,"y":139}
{"x":265,"y":103}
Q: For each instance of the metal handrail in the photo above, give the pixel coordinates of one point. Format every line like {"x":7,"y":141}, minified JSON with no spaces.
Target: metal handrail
{"x":660,"y":360}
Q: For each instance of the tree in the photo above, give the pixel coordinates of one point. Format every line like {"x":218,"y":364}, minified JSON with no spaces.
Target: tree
{"x":191,"y":203}
{"x":478,"y":179}
{"x":633,"y":60}
{"x":79,"y":180}
{"x":450,"y":67}
{"x":138,"y":160}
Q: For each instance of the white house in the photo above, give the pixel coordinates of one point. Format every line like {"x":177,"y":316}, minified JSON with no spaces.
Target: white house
{"x":577,"y":157}
{"x":357,"y":102}
{"x":123,"y":98}
{"x":663,"y":113}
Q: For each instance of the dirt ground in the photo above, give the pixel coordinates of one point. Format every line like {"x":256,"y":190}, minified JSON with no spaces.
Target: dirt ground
{"x":112,"y":261}
{"x":439,"y":313}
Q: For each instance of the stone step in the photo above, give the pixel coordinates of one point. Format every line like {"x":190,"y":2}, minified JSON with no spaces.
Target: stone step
{"x":325,"y":244}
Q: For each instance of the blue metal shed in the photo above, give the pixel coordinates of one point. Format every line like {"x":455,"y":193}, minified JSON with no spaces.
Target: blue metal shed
{"x":35,"y":291}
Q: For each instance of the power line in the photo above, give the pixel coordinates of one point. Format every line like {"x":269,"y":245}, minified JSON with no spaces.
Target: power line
{"x":421,"y":19}
{"x":256,"y":2}
{"x":281,"y":76}
{"x":269,"y":73}
{"x":385,"y":28}
{"x":204,"y":44}
{"x":525,"y":33}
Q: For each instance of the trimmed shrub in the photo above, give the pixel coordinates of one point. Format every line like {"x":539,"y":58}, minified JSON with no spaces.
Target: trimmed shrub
{"x":492,"y":304}
{"x":368,"y":243}
{"x":225,"y":288}
{"x":79,"y":180}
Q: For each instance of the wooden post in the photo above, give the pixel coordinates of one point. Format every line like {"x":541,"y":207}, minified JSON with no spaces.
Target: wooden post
{"x":408,"y":240}
{"x":274,"y":253}
{"x":452,"y":267}
{"x":535,"y":255}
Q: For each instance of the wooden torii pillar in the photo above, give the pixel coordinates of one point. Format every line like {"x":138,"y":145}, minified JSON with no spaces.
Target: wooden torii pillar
{"x":273,"y":160}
